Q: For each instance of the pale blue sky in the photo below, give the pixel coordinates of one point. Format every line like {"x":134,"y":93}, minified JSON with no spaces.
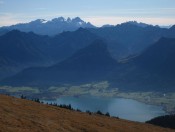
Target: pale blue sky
{"x":98,"y":12}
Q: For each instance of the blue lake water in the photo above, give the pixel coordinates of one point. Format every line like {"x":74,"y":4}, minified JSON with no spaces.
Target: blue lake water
{"x":123,"y":108}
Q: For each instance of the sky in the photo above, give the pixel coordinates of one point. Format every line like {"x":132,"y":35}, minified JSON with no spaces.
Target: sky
{"x":98,"y":12}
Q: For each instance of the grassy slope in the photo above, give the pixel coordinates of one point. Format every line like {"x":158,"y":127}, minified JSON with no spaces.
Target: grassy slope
{"x":23,"y":115}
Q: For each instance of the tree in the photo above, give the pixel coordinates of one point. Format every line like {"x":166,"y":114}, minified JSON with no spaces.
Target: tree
{"x":23,"y":97}
{"x":99,"y":112}
{"x":107,"y":114}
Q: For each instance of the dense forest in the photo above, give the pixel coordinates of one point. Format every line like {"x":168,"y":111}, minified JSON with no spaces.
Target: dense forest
{"x":167,"y":121}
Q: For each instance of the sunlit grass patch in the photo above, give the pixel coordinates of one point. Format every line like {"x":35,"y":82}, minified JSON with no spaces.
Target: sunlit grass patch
{"x":19,"y":89}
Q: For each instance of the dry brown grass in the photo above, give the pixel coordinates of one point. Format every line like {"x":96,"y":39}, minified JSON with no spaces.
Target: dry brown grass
{"x":17,"y":115}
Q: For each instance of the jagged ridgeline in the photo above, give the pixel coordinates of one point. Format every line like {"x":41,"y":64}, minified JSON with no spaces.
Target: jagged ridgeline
{"x":50,"y":27}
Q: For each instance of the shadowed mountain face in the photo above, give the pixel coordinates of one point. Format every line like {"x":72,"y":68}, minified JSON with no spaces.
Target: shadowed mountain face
{"x":65,"y":44}
{"x":92,"y":63}
{"x":171,"y":32}
{"x":160,"y":57}
{"x":51,"y":28}
{"x":18,"y":45}
{"x":3,"y":31}
{"x":152,"y":70}
{"x":131,"y":37}
{"x":19,"y":50}
{"x":22,"y":47}
{"x":92,"y":58}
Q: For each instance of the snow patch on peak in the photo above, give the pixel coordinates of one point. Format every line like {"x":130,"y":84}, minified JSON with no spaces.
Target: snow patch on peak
{"x":80,"y":23}
{"x":44,"y":21}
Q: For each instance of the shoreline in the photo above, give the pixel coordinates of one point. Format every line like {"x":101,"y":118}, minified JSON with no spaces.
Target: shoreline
{"x":165,"y":100}
{"x":155,"y":101}
{"x":164,"y":108}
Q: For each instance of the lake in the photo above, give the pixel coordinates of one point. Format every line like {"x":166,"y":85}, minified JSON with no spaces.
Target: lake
{"x":119,"y":107}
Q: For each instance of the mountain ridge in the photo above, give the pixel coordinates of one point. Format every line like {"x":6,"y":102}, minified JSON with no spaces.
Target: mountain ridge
{"x":150,"y":71}
{"x":51,"y":27}
{"x":29,"y":49}
{"x":126,"y":40}
{"x":91,"y":63}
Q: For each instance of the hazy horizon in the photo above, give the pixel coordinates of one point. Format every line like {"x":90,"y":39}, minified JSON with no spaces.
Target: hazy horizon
{"x":166,"y":26}
{"x":98,"y":12}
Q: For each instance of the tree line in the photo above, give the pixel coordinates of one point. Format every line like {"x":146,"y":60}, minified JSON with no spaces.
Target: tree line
{"x":98,"y":112}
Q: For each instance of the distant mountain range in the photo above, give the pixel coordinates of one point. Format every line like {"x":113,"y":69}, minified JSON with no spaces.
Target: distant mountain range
{"x":52,"y":27}
{"x":61,"y":24}
{"x":131,"y":56}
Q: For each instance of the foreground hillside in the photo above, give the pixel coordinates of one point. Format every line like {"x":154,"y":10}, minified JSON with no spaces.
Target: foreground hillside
{"x":23,"y":115}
